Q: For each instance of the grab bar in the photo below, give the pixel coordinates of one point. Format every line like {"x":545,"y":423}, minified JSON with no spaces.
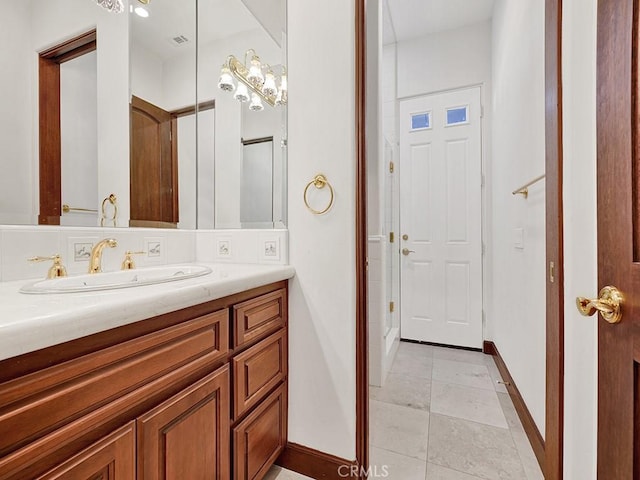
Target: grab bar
{"x":524,"y":190}
{"x":66,"y":209}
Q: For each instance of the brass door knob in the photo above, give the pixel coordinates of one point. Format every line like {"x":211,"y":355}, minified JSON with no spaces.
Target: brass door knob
{"x":406,"y":251}
{"x":609,"y":305}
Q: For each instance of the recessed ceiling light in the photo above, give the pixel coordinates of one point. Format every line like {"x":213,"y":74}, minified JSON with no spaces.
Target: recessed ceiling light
{"x":141,"y":12}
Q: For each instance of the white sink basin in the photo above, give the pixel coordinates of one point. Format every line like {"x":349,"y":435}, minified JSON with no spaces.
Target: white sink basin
{"x":115,"y":280}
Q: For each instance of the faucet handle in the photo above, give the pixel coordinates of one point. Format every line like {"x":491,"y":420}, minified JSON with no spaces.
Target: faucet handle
{"x":57,"y":270}
{"x":128,"y":263}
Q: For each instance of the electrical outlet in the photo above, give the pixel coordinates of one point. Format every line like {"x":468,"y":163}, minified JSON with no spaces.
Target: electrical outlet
{"x":79,"y":249}
{"x":154,"y":246}
{"x":223,"y":248}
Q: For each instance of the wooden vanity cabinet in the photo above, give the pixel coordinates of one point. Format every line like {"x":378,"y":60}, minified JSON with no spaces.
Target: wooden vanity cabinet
{"x":164,"y":398}
{"x":187,"y":436}
{"x":112,"y":458}
{"x":259,"y":384}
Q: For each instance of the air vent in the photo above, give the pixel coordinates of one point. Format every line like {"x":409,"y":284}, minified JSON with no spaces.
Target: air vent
{"x":178,"y":40}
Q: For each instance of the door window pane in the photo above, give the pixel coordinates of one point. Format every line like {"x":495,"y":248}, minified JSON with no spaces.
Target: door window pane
{"x":457,"y":115}
{"x":420,"y":121}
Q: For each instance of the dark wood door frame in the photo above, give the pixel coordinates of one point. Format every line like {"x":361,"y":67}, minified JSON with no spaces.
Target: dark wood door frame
{"x":362,"y":343}
{"x":50,"y":148}
{"x":553,"y":450}
{"x":554,"y":410}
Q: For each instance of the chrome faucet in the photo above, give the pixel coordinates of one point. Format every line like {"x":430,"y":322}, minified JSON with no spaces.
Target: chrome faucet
{"x":95,"y":264}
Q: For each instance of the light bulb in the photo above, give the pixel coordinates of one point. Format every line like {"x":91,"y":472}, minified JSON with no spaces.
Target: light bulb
{"x":283,"y":95}
{"x":225,"y":82}
{"x":256,"y":103}
{"x":242,"y":94}
{"x":141,"y":12}
{"x":269,"y":88}
{"x":255,"y":72}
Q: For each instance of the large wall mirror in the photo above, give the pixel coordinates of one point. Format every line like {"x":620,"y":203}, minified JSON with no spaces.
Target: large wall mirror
{"x":106,"y":111}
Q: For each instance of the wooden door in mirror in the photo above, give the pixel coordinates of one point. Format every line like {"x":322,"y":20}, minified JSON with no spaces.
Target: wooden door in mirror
{"x":154,"y":166}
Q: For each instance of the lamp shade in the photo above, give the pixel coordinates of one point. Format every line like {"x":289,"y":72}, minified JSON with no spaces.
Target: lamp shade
{"x":256,"y":103}
{"x":255,"y":72}
{"x":269,"y":88}
{"x":113,"y":6}
{"x":226,"y":82}
{"x":242,"y":94}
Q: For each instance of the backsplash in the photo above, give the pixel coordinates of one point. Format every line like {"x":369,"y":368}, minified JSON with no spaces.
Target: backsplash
{"x":159,"y":247}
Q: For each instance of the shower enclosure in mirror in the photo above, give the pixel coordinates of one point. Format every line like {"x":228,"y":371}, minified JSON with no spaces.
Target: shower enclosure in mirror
{"x":137,"y":114}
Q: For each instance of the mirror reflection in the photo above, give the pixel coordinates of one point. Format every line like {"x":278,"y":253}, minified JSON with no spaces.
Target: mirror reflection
{"x":141,"y":129}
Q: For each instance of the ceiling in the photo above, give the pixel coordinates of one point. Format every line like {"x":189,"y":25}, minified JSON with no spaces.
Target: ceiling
{"x":407,"y":19}
{"x":224,"y":18}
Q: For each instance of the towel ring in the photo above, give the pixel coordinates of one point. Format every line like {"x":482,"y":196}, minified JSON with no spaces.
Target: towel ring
{"x":319,"y":181}
{"x":112,"y":199}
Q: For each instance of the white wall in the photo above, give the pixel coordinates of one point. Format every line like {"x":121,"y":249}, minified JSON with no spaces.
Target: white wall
{"x":517,"y":318}
{"x":79,"y":138}
{"x":374,"y":102}
{"x":445,"y":60}
{"x":146,"y":75}
{"x":322,"y":373}
{"x":16,"y":147}
{"x":580,"y":233}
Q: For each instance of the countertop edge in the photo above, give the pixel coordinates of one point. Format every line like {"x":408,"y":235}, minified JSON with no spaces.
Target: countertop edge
{"x":88,"y":314}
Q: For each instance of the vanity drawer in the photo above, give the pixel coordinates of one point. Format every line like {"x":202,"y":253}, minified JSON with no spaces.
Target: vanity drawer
{"x":258,"y":317}
{"x":36,"y":404}
{"x":257,"y":371}
{"x":260,"y":438}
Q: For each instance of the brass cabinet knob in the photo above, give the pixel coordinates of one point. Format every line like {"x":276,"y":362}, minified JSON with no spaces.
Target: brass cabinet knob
{"x":406,"y":251}
{"x":609,"y":305}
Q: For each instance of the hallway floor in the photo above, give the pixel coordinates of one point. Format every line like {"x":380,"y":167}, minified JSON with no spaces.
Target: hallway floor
{"x":442,"y":416}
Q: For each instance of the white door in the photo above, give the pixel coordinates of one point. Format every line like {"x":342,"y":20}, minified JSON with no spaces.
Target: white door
{"x":441,"y":218}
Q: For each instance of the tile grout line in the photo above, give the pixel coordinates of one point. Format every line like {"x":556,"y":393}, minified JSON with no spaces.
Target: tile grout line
{"x":426,"y":464}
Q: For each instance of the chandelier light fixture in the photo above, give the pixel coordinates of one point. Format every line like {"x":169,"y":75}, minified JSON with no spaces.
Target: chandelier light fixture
{"x":113,"y":6}
{"x":254,"y":82}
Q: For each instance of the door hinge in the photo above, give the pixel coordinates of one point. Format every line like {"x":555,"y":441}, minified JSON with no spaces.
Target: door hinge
{"x":552,"y":272}
{"x":484,"y":249}
{"x":481,"y":111}
{"x":392,"y":237}
{"x":483,"y":180}
{"x":392,"y":167}
{"x":392,"y":306}
{"x":170,"y":136}
{"x":484,"y":317}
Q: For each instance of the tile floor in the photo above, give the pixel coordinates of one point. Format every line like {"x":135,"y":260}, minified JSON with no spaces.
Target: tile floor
{"x":442,"y":416}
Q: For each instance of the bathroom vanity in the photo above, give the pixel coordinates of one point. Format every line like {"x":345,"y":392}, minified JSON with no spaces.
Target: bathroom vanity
{"x":196,"y":392}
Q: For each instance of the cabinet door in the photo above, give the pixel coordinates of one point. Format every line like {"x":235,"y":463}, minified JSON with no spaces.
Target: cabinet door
{"x":260,"y":438}
{"x":257,"y":371}
{"x":187,"y":437}
{"x":112,"y":458}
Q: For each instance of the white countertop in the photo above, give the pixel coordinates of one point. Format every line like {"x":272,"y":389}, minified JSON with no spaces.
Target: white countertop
{"x":32,"y":322}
